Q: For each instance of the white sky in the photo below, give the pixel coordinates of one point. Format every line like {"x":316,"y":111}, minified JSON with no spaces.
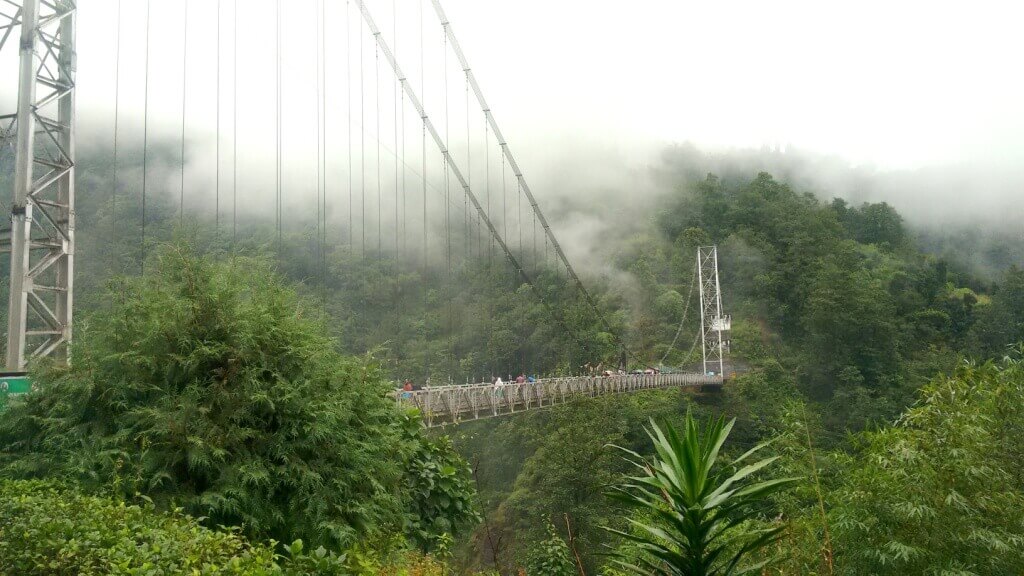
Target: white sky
{"x":894,"y":83}
{"x":899,"y":85}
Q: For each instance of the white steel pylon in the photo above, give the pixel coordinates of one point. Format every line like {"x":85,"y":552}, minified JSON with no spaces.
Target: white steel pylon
{"x":41,"y":237}
{"x":712,"y":321}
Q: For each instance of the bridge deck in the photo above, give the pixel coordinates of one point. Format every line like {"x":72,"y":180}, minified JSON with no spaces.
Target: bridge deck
{"x":452,"y":404}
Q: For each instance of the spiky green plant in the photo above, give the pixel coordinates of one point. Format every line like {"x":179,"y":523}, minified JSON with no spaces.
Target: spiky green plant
{"x":702,"y":511}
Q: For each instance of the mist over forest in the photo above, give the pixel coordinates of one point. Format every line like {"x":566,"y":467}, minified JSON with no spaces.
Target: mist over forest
{"x":320,"y":330}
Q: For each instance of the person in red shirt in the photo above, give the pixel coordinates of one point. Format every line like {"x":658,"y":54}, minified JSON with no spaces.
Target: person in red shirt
{"x":520,"y":379}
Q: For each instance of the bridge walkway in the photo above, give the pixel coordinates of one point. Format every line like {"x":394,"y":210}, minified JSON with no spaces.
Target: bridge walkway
{"x":452,"y":404}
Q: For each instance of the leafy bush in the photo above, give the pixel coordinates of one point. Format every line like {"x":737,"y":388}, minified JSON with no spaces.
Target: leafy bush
{"x":53,"y":530}
{"x":208,"y":385}
{"x":941,"y":492}
{"x":552,"y":556}
{"x":439,"y":485}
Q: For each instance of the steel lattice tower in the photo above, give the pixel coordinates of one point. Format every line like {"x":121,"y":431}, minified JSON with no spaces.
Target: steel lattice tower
{"x":41,"y":237}
{"x":712,"y":321}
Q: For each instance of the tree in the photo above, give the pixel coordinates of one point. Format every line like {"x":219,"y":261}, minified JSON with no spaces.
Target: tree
{"x":551,"y":557}
{"x":567,"y":472}
{"x":880,"y":224}
{"x":698,"y":508}
{"x":439,"y":482}
{"x":940,"y":492}
{"x":208,"y":384}
{"x":1002,"y":322}
{"x":850,"y":325}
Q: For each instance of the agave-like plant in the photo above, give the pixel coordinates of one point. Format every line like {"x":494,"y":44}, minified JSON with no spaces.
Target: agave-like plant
{"x":698,"y":507}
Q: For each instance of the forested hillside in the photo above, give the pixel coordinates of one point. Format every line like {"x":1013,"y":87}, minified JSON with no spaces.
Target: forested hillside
{"x":243,"y":378}
{"x":835,"y":309}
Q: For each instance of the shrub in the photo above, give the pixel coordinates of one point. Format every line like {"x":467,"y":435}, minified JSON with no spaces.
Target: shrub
{"x":48,"y":529}
{"x":551,"y":557}
{"x":209,"y":385}
{"x":439,"y":485}
{"x":941,"y":492}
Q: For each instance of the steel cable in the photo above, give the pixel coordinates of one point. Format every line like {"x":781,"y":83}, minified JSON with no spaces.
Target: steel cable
{"x":117,"y":107}
{"x":145,"y":139}
{"x":686,"y":310}
{"x":216,"y":206}
{"x":234,"y":127}
{"x":348,"y":103}
{"x":184,"y":103}
{"x":319,"y":144}
{"x":376,"y":111}
{"x":278,"y":214}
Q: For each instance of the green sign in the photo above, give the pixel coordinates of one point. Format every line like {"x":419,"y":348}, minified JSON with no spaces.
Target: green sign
{"x":13,"y":384}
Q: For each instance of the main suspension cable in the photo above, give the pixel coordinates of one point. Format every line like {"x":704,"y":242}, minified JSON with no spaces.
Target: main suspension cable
{"x":429,"y":126}
{"x":559,"y":253}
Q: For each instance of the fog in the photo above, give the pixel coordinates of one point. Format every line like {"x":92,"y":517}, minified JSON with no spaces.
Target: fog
{"x":916,"y":104}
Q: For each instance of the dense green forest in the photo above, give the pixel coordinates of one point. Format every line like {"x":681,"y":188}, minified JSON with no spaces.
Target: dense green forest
{"x":241,"y":379}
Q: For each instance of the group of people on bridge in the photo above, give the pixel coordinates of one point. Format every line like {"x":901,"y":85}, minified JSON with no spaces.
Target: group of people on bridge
{"x":407,"y":386}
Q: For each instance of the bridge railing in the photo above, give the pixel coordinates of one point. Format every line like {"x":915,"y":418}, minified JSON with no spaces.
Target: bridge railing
{"x":452,"y":404}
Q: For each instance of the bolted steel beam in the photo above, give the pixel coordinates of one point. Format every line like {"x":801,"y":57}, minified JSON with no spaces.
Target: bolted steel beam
{"x":41,"y":248}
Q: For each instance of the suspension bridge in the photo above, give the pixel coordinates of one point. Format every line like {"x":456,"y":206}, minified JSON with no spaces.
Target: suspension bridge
{"x":363,"y":126}
{"x":460,"y":403}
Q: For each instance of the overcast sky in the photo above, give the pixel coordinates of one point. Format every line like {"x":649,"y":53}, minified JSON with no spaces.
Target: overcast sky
{"x":897,"y":85}
{"x":894,"y":83}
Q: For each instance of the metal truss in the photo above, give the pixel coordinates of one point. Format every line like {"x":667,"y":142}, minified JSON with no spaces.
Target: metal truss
{"x":712,"y":322}
{"x":41,"y":237}
{"x":454,"y":404}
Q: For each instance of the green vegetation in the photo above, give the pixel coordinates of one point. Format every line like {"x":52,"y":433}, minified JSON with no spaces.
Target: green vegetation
{"x":208,"y":385}
{"x":941,"y":491}
{"x":47,"y":529}
{"x":698,"y":506}
{"x":245,"y":385}
{"x":551,"y":557}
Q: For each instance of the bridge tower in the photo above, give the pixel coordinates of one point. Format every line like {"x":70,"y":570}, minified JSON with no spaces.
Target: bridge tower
{"x":41,"y":237}
{"x":713,"y":322}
